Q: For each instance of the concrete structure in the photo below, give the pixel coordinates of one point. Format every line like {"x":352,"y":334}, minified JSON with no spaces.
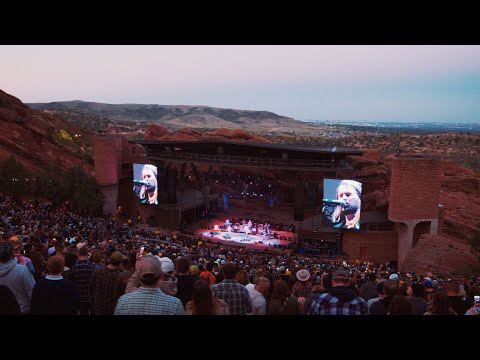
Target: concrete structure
{"x":290,"y":160}
{"x":414,"y":199}
{"x":107,"y":157}
{"x":414,"y":190}
{"x":113,"y":157}
{"x":367,"y":245}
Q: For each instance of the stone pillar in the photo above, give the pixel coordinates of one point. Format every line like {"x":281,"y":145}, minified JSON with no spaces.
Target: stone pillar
{"x":414,"y":197}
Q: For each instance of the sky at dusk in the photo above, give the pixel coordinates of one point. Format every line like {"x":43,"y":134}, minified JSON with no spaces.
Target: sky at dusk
{"x":319,"y":82}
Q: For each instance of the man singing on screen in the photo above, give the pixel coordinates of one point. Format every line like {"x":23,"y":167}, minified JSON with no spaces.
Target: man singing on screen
{"x":347,"y":215}
{"x":149,"y":193}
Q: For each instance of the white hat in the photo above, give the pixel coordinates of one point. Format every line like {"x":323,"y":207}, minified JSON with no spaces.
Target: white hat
{"x":167,"y":264}
{"x":303,"y":275}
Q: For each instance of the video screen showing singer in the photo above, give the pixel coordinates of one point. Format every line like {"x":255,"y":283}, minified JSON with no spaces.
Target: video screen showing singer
{"x":145,"y":183}
{"x":342,"y":209}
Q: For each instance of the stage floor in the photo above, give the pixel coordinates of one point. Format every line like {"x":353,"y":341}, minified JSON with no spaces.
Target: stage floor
{"x":232,"y":238}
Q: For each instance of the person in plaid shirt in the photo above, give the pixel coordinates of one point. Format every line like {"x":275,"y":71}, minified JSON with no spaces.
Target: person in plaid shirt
{"x":81,"y":274}
{"x":340,"y":300}
{"x":234,"y":294}
{"x":104,"y":285}
{"x":149,"y":299}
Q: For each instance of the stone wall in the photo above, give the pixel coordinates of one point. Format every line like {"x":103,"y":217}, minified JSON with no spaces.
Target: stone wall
{"x":415,"y":188}
{"x":380,"y":246}
{"x":107,"y":153}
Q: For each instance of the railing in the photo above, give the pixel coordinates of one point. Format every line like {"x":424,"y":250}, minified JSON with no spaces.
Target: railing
{"x":250,"y":161}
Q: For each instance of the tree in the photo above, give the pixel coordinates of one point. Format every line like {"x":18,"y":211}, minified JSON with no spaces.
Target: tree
{"x":75,"y":186}
{"x":474,"y":243}
{"x":15,"y":180}
{"x":52,"y":188}
{"x":85,"y":192}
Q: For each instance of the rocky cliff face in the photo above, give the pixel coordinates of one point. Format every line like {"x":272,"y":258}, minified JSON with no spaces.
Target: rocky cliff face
{"x":460,"y":197}
{"x":158,"y":132}
{"x":375,"y":178}
{"x":39,"y":139}
{"x":440,"y":255}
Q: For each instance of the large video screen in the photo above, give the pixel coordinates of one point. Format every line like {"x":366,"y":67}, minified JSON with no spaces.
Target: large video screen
{"x":342,"y":203}
{"x":145,"y":183}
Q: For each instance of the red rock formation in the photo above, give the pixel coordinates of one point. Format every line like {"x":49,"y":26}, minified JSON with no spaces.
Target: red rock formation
{"x":459,"y":216}
{"x":28,"y":135}
{"x":157,"y":132}
{"x":440,"y":255}
{"x":371,"y":154}
{"x":238,"y":135}
{"x":460,"y":197}
{"x":186,"y":135}
{"x":375,"y":178}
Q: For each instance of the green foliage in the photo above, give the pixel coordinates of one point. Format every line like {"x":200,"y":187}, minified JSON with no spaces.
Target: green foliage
{"x":89,"y":159}
{"x":75,"y":186}
{"x":62,"y":135}
{"x":51,"y":188}
{"x":85,"y":193}
{"x":474,"y":243}
{"x":15,"y":180}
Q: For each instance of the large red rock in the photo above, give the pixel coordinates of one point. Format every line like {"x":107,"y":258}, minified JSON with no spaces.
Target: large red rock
{"x":375,"y":178}
{"x":237,"y":135}
{"x":29,"y":135}
{"x":371,"y":154}
{"x":460,"y":197}
{"x":186,"y":135}
{"x":155,"y":132}
{"x":160,"y":133}
{"x":440,"y":255}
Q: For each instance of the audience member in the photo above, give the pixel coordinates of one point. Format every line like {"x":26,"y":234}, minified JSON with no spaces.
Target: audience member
{"x":203,"y":302}
{"x":149,"y":299}
{"x":282,"y":302}
{"x":16,"y":277}
{"x":233,"y":293}
{"x":54,"y":295}
{"x":8,"y":302}
{"x":340,"y":300}
{"x":104,"y":286}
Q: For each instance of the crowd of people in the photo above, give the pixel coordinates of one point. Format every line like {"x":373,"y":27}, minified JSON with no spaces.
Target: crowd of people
{"x":53,"y":261}
{"x":239,"y":186}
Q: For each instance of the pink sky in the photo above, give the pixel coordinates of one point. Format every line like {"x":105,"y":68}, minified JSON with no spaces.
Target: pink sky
{"x":304,"y":82}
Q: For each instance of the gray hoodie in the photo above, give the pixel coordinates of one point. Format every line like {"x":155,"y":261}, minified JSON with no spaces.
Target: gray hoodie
{"x":20,"y":281}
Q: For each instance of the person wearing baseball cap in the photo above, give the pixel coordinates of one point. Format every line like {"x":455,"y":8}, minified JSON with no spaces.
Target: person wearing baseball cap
{"x":167,"y":281}
{"x":104,"y":285}
{"x":148,"y":299}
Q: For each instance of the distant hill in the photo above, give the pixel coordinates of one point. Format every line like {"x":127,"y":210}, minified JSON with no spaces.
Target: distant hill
{"x":175,"y":116}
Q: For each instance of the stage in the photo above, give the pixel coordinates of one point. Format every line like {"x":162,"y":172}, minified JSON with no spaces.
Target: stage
{"x":245,"y":233}
{"x":248,"y":240}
